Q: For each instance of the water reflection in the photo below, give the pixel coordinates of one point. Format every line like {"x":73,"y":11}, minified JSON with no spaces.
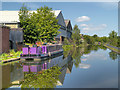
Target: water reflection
{"x":44,"y":79}
{"x":76,"y":53}
{"x":84,"y":66}
{"x":51,"y":73}
{"x":113,"y":55}
{"x":36,"y":74}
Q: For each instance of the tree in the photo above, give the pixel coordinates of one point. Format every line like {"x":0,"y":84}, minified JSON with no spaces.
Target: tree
{"x":89,"y":39}
{"x":104,"y":39}
{"x":41,"y":25}
{"x":113,"y":38}
{"x":76,"y":35}
{"x":66,"y":42}
{"x":118,"y":41}
{"x":95,"y":36}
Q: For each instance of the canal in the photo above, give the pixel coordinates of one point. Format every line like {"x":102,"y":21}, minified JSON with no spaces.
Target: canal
{"x":86,"y":67}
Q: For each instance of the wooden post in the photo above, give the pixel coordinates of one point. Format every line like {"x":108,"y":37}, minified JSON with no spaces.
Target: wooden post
{"x":60,"y":39}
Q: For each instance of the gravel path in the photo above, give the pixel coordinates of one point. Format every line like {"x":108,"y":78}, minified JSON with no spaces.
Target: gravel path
{"x":113,"y":47}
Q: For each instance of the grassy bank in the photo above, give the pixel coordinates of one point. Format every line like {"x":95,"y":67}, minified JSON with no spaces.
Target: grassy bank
{"x":9,"y":56}
{"x":113,"y":49}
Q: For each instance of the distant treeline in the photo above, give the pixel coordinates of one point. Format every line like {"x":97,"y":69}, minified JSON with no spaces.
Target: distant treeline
{"x":78,"y":39}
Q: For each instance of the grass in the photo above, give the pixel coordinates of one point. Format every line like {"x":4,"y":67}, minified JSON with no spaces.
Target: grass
{"x":12,"y":54}
{"x":28,"y":44}
{"x":114,"y":49}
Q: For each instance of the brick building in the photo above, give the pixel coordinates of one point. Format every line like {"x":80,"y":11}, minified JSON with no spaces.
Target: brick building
{"x":4,"y":39}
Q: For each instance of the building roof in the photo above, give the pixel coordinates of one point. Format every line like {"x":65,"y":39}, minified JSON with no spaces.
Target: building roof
{"x":1,"y":26}
{"x":12,"y":16}
{"x":67,"y":22}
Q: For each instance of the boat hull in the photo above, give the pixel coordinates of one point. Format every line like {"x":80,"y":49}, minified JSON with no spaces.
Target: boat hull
{"x":41,"y":56}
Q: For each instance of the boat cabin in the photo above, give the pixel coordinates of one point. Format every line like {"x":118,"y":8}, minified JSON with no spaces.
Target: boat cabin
{"x":44,"y":50}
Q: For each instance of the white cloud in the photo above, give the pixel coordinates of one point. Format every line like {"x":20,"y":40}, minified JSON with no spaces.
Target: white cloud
{"x":94,"y":28}
{"x":82,"y":19}
{"x":84,"y":59}
{"x":84,"y":66}
{"x":86,"y":55}
{"x":83,"y":25}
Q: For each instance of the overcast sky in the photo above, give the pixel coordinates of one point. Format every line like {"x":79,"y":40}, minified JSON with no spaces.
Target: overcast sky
{"x":92,"y":17}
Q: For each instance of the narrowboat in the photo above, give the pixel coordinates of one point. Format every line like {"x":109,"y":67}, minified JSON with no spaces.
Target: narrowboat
{"x":45,"y":51}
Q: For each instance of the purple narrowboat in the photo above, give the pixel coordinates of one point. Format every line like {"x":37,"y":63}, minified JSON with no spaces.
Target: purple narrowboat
{"x":44,"y":51}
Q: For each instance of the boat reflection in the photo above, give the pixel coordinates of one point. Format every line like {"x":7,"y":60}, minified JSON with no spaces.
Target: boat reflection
{"x":14,"y":74}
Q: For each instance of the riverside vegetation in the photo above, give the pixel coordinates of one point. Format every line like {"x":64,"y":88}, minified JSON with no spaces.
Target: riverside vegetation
{"x":12,"y":54}
{"x":79,"y":40}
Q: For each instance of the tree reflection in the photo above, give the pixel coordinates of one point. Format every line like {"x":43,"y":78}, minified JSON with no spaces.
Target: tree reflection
{"x":113,"y":55}
{"x":90,"y":48}
{"x":47,"y":79}
{"x":76,"y":55}
{"x":103,"y":47}
{"x":77,"y":52}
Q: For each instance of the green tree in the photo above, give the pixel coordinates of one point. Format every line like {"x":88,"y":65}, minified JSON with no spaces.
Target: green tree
{"x":89,"y":39}
{"x":104,"y":39}
{"x":76,"y":35}
{"x":95,"y":36}
{"x":118,"y":41}
{"x":66,"y":42}
{"x":113,"y":38}
{"x":23,"y":16}
{"x":41,"y":25}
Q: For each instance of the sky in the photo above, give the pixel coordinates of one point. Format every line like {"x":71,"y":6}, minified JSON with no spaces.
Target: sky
{"x":92,"y":17}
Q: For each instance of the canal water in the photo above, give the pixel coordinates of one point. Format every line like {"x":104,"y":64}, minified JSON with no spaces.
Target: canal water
{"x":88,"y":67}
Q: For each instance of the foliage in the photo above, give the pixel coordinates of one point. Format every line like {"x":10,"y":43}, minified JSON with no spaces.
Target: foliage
{"x":41,"y":25}
{"x":48,"y":78}
{"x":76,"y":55}
{"x":102,"y":47}
{"x":113,"y":38}
{"x":118,"y":41}
{"x":10,"y":55}
{"x":76,"y":35}
{"x":95,"y":39}
{"x":104,"y":39}
{"x":67,"y":50}
{"x":75,"y":52}
{"x":113,"y":55}
{"x":89,"y":39}
{"x":66,"y":42}
{"x":95,"y":36}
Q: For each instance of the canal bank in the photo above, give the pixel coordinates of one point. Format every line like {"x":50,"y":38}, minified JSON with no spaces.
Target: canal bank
{"x":10,"y":60}
{"x":113,"y":48}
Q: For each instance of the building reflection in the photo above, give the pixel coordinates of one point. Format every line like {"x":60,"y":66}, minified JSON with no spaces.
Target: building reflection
{"x":13,"y":74}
